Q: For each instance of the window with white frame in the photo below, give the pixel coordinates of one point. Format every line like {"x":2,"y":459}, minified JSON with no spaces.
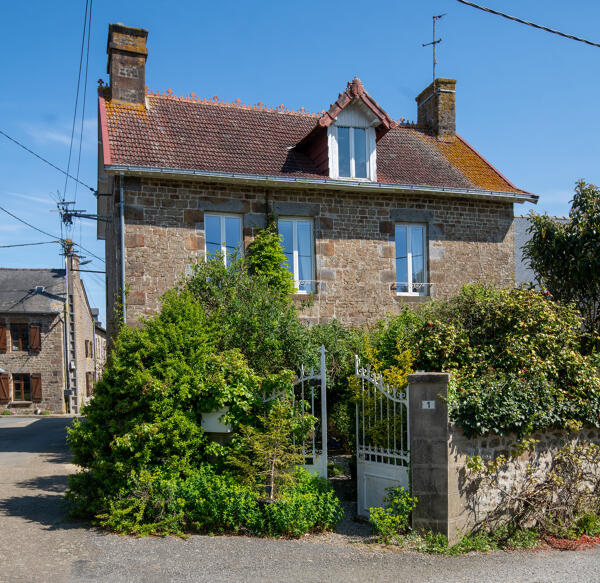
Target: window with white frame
{"x":411,"y":259}
{"x":298,"y":244}
{"x":352,"y":152}
{"x":351,"y":144}
{"x":222,"y":234}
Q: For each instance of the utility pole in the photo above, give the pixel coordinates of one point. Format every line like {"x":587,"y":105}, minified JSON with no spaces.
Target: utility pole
{"x":434,"y":42}
{"x":68,"y":252}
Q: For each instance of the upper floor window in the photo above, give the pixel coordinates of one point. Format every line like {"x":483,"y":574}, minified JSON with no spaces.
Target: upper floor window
{"x":19,"y":334}
{"x":351,"y":145}
{"x":222,"y":234}
{"x":298,"y":244}
{"x":411,"y":259}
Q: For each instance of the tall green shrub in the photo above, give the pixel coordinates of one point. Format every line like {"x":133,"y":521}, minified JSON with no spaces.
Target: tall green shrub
{"x":147,"y":409}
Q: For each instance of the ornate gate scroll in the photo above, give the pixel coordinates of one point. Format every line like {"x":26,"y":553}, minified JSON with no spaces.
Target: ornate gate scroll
{"x":310,"y":396}
{"x":382,"y":438}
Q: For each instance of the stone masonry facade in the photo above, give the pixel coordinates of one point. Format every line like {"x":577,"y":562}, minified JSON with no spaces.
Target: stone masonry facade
{"x":354,"y":249}
{"x":49,"y":362}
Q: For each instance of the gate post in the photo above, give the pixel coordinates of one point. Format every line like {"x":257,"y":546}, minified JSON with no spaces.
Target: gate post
{"x":438,"y":503}
{"x":324,"y":407}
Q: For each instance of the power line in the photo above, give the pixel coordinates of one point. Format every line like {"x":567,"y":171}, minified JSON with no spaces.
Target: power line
{"x":85,"y":79}
{"x":538,"y":26}
{"x":49,"y":234}
{"x":46,"y":161}
{"x":89,"y":252}
{"x":28,"y":244}
{"x":85,"y":18}
{"x":28,"y":224}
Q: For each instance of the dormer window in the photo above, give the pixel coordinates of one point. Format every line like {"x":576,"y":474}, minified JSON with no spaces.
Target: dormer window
{"x":352,"y":145}
{"x":352,"y":152}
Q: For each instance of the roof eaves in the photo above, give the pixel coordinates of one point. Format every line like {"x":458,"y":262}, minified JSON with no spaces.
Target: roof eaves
{"x":337,"y":184}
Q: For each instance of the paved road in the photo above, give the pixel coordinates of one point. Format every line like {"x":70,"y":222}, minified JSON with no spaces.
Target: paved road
{"x":38,"y":545}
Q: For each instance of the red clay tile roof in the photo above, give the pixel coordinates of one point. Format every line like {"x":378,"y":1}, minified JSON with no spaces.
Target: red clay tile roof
{"x":191,"y":134}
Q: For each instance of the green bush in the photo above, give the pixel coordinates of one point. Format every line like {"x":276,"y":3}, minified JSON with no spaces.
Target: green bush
{"x":208,"y":502}
{"x":147,"y":409}
{"x":515,"y":355}
{"x":308,"y":504}
{"x":393,"y":518}
{"x":250,"y":314}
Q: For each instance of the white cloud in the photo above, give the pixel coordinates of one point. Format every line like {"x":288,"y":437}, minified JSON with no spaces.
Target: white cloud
{"x":61,"y":133}
{"x":47,"y":200}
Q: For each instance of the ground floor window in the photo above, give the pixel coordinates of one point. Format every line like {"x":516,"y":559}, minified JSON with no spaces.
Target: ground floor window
{"x":21,"y":387}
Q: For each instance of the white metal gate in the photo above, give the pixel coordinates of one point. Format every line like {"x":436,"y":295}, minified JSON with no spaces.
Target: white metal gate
{"x":310,"y":395}
{"x":382,"y":439}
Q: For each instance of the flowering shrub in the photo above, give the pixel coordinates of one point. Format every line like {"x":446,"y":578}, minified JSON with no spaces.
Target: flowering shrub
{"x":393,"y":518}
{"x":515,"y":355}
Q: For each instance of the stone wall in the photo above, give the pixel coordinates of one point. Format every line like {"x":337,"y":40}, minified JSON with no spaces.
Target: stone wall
{"x":49,"y":362}
{"x":354,"y":241}
{"x":451,"y":500}
{"x":84,"y":334}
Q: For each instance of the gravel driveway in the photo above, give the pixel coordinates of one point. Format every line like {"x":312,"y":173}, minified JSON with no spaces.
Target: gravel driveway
{"x":37,"y":544}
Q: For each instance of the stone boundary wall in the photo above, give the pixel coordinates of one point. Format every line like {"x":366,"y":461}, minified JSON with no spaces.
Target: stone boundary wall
{"x":451,"y":500}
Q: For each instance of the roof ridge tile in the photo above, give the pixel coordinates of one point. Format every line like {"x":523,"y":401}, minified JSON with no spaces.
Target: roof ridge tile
{"x":194,"y":98}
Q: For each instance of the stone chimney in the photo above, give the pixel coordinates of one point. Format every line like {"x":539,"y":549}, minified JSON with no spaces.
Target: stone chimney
{"x":436,"y":108}
{"x":127,"y":54}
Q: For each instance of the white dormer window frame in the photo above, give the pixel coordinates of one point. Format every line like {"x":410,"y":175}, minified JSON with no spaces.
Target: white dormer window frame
{"x":351,"y":120}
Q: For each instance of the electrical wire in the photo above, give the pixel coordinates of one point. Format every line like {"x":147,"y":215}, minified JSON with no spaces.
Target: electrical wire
{"x":46,"y":161}
{"x":85,"y":18}
{"x":28,"y":224}
{"x":49,"y":234}
{"x":28,"y":244}
{"x":85,"y":80}
{"x":538,"y":26}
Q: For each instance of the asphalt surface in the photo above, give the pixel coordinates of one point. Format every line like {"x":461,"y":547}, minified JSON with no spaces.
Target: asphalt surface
{"x":37,"y":543}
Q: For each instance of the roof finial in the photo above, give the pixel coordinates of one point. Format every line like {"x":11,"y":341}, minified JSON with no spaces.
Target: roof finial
{"x":356,"y":87}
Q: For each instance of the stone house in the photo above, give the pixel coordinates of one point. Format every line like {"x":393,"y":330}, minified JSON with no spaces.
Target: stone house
{"x":374,"y":213}
{"x":44,"y":363}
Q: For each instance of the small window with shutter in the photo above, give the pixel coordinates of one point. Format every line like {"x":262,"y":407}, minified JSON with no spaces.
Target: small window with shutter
{"x":4,"y":388}
{"x":19,"y":337}
{"x":3,"y":337}
{"x":21,"y":387}
{"x":89,"y":383}
{"x":36,"y":387}
{"x":35,"y":338}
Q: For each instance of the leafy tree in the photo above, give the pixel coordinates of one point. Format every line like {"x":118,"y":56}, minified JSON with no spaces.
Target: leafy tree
{"x":566,"y":256}
{"x":265,"y":258}
{"x":250,"y":313}
{"x":268,"y":455}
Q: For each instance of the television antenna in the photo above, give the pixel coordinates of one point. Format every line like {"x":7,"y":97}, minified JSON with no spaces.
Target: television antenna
{"x":435,"y":41}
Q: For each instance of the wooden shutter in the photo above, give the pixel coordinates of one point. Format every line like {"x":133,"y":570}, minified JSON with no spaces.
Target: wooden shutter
{"x":3,"y":337}
{"x":36,"y":387}
{"x":35,"y":338}
{"x":88,"y":383}
{"x":4,"y":389}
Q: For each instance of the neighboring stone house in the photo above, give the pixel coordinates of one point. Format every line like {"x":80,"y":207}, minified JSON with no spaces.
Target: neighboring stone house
{"x":43,"y":363}
{"x":373,"y":212}
{"x":523,"y":272}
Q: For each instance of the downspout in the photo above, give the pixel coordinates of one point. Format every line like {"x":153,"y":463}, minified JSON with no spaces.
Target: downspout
{"x":122,"y":225}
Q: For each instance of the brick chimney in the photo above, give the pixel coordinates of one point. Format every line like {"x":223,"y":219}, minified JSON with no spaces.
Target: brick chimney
{"x":127,"y":54}
{"x":436,"y":108}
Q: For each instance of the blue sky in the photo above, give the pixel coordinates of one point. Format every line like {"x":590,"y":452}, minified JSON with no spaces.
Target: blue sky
{"x":527,"y":100}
